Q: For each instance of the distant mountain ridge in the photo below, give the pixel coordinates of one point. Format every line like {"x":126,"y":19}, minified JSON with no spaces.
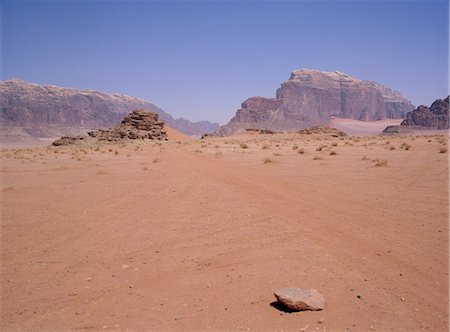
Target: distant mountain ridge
{"x":311,"y":97}
{"x":48,"y":111}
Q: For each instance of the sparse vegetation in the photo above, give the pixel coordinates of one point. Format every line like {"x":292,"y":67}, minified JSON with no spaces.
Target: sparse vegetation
{"x":267,"y":160}
{"x":332,"y":153}
{"x":243,"y":146}
{"x":317,"y":158}
{"x":300,"y":151}
{"x":380,"y":162}
{"x":443,"y":150}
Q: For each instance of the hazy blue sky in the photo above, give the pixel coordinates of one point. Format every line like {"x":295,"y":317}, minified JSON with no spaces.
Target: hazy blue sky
{"x":200,"y":60}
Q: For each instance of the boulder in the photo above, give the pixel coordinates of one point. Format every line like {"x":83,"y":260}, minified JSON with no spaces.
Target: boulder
{"x":300,"y":299}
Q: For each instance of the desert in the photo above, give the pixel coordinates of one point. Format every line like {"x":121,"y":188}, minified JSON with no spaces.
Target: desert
{"x":190,"y":234}
{"x":224,"y":166}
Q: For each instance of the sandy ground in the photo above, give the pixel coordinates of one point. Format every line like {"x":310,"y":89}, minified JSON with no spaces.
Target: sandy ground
{"x":196,"y":235}
{"x":362,"y":128}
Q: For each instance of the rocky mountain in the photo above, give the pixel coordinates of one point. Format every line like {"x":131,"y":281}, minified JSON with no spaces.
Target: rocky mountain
{"x":423,"y":117}
{"x":435,"y":116}
{"x":34,"y":110}
{"x":312,"y":97}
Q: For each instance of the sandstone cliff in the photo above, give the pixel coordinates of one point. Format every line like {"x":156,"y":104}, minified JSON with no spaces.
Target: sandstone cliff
{"x":49,"y":111}
{"x":423,"y":117}
{"x":312,"y":97}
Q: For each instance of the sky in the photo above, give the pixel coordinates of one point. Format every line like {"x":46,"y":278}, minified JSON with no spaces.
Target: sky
{"x":200,"y":59}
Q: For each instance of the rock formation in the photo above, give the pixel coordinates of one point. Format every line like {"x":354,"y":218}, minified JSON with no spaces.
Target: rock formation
{"x":423,"y":117}
{"x":311,"y":97}
{"x":32,"y":110}
{"x":300,"y":299}
{"x":139,"y":124}
{"x":435,"y":116}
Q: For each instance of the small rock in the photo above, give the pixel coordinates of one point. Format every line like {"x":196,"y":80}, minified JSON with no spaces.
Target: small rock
{"x":321,"y":320}
{"x":300,"y":299}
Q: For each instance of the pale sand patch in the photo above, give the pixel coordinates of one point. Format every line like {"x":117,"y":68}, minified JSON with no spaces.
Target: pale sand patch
{"x":363,"y":128}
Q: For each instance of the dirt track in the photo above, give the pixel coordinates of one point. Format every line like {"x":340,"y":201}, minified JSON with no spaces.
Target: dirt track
{"x":196,"y":235}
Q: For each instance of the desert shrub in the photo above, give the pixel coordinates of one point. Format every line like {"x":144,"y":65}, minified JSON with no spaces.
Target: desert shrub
{"x":317,"y":158}
{"x":155,"y":160}
{"x":392,"y":147}
{"x":334,"y":144}
{"x":332,"y":153}
{"x":243,"y":146}
{"x":300,"y":151}
{"x":319,"y":148}
{"x":380,"y":162}
{"x":267,"y":160}
{"x":265,"y":147}
{"x":295,"y":147}
{"x":443,"y":150}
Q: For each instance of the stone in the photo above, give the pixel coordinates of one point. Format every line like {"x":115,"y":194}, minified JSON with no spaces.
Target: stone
{"x":300,"y":299}
{"x":312,"y":97}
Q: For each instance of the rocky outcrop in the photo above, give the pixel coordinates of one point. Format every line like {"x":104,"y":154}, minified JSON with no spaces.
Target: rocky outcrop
{"x":49,"y":111}
{"x":424,"y":118}
{"x":139,"y":124}
{"x":435,"y":116}
{"x":312,"y":97}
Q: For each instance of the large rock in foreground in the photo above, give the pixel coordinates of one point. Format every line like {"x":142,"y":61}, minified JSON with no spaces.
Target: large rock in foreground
{"x":312,"y":97}
{"x":139,"y":124}
{"x":300,"y":299}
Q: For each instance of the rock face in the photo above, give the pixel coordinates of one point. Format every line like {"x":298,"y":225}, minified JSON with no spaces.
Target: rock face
{"x":139,"y":124}
{"x":311,"y":97}
{"x":49,"y":111}
{"x":435,"y":116}
{"x":300,"y":299}
{"x":424,"y":118}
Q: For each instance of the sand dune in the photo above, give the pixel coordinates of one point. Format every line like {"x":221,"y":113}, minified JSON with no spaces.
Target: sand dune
{"x":195,"y":235}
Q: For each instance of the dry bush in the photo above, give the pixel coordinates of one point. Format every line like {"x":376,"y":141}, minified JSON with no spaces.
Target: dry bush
{"x":392,"y":147}
{"x":145,"y":168}
{"x":334,"y":144}
{"x":443,"y":150}
{"x":317,"y":158}
{"x":155,"y":160}
{"x":100,"y":172}
{"x":300,"y":151}
{"x":380,"y":162}
{"x":295,"y":147}
{"x":332,"y":153}
{"x":265,"y":146}
{"x":243,"y":146}
{"x":267,"y":160}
